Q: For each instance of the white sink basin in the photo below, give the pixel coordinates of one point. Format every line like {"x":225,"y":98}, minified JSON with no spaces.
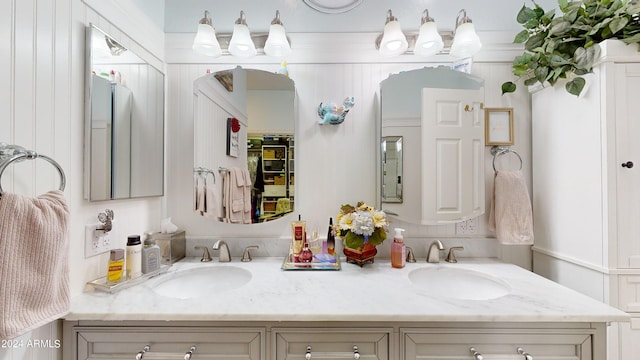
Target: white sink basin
{"x":205,"y":281}
{"x":455,"y":283}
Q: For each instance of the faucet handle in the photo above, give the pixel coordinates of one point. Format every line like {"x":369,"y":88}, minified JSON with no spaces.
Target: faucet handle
{"x":410,"y":257}
{"x":451,"y":257}
{"x":246,"y":255}
{"x":205,"y":255}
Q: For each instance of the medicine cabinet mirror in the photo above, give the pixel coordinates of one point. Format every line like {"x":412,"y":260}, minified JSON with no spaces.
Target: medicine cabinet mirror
{"x":124,"y":122}
{"x":244,"y":121}
{"x":391,"y":147}
{"x":432,"y":146}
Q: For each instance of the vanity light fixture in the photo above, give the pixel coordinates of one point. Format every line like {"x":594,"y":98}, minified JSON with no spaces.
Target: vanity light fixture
{"x":461,"y":43}
{"x":465,"y":41}
{"x":115,"y":48}
{"x":429,"y":40}
{"x":241,"y":44}
{"x":206,"y":42}
{"x":393,"y":41}
{"x":277,"y":43}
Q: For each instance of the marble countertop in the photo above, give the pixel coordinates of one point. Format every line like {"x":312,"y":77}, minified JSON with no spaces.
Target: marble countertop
{"x":375,"y":292}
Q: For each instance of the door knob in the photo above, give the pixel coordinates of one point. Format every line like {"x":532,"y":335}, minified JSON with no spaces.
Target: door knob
{"x":628,"y":164}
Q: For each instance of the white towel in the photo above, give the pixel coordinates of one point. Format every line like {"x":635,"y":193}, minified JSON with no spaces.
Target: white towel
{"x":34,"y":268}
{"x":510,"y":215}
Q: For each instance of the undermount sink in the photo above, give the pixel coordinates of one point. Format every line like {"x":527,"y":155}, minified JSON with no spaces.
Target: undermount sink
{"x":455,"y":283}
{"x":205,"y":281}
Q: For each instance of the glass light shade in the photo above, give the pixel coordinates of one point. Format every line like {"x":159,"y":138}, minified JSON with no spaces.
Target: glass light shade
{"x":206,"y":42}
{"x":241,"y":44}
{"x":277,"y":44}
{"x":465,"y":42}
{"x":393,"y":40}
{"x":429,"y":41}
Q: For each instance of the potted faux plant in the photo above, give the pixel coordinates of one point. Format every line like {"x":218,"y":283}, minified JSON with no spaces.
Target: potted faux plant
{"x":567,"y":46}
{"x":361,"y":228}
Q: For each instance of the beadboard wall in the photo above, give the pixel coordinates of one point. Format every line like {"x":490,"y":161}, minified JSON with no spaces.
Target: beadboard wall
{"x":41,"y":97}
{"x":334,"y":164}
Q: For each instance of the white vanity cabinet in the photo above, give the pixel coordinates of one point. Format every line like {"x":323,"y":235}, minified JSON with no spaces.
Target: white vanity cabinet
{"x":104,"y":341}
{"x":319,"y":340}
{"x":586,"y":188}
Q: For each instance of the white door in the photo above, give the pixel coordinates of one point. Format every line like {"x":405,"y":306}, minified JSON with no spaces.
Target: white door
{"x":454,"y":162}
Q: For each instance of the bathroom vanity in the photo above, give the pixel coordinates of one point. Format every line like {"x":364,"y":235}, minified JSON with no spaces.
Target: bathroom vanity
{"x":255,"y":310}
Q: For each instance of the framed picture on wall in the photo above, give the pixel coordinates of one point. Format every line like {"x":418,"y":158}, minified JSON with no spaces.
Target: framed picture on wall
{"x":233,"y":137}
{"x":498,"y":126}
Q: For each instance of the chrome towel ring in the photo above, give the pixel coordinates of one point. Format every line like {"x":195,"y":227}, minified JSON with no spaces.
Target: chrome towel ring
{"x":11,"y":153}
{"x":498,"y":151}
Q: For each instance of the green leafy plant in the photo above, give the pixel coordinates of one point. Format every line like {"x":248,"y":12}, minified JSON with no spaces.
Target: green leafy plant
{"x":567,"y":46}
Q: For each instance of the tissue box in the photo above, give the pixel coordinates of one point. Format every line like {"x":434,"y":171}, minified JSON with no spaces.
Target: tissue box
{"x":172,"y":246}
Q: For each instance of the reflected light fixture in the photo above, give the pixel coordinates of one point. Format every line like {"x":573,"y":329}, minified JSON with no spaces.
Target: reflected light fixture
{"x":206,"y":42}
{"x":429,"y":40}
{"x":393,"y":40}
{"x":115,"y":48}
{"x":241,"y":44}
{"x":465,"y":42}
{"x":277,"y":43}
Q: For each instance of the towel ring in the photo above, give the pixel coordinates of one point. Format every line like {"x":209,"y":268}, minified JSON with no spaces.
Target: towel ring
{"x":501,"y":150}
{"x":18,"y":153}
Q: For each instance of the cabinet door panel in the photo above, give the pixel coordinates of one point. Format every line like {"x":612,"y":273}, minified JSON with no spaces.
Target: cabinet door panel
{"x":170,"y":343}
{"x":627,"y":90}
{"x":332,"y":344}
{"x":503,"y":345}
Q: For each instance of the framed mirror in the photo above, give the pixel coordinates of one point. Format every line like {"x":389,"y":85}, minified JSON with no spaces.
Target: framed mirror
{"x":124,"y":122}
{"x":244,"y":146}
{"x":433,"y":119}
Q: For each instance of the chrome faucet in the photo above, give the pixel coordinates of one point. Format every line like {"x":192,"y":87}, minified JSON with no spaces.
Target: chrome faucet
{"x":433,"y":256}
{"x":224,"y":255}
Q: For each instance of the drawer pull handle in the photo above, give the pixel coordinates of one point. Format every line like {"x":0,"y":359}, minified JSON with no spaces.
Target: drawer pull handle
{"x":628,"y":164}
{"x":141,"y":353}
{"x":187,"y":355}
{"x":476,"y":354}
{"x":525,"y":354}
{"x":356,"y":352}
{"x":308,"y":354}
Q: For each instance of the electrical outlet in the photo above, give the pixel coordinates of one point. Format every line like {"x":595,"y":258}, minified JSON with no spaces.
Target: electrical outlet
{"x":467,"y":227}
{"x":96,"y":241}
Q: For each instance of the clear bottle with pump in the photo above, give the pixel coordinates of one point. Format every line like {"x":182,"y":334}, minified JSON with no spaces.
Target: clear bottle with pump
{"x":398,"y":250}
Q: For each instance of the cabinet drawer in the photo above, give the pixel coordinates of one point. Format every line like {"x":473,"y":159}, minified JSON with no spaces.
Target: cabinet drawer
{"x":116,"y":343}
{"x":437,"y":344}
{"x":332,"y":343}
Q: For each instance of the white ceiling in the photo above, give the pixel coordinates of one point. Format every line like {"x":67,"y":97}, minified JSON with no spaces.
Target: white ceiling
{"x":181,"y":16}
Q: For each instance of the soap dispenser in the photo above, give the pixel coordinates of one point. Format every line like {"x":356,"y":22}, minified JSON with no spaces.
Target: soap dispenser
{"x":398,"y":250}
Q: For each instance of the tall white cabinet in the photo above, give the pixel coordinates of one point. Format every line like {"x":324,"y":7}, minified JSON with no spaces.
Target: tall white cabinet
{"x":586,"y":188}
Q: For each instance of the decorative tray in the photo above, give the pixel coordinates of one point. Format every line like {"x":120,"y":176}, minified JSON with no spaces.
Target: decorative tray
{"x":101,"y":284}
{"x":315,"y":264}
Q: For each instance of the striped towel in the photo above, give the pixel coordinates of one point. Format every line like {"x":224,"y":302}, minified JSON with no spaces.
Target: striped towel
{"x":34,"y":267}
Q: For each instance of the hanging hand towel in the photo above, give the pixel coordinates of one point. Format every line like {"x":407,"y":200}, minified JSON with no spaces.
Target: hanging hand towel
{"x":510,"y":215}
{"x":34,"y":268}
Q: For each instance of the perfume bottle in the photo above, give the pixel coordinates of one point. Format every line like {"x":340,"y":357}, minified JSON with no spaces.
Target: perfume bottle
{"x":331,"y":239}
{"x":306,"y":255}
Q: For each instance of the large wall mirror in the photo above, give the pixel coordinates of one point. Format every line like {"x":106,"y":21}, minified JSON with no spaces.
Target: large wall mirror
{"x":432,"y":121}
{"x":244,"y":146}
{"x":124,"y":122}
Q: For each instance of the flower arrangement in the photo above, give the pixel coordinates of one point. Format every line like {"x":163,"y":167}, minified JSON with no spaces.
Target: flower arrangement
{"x":360,"y":225}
